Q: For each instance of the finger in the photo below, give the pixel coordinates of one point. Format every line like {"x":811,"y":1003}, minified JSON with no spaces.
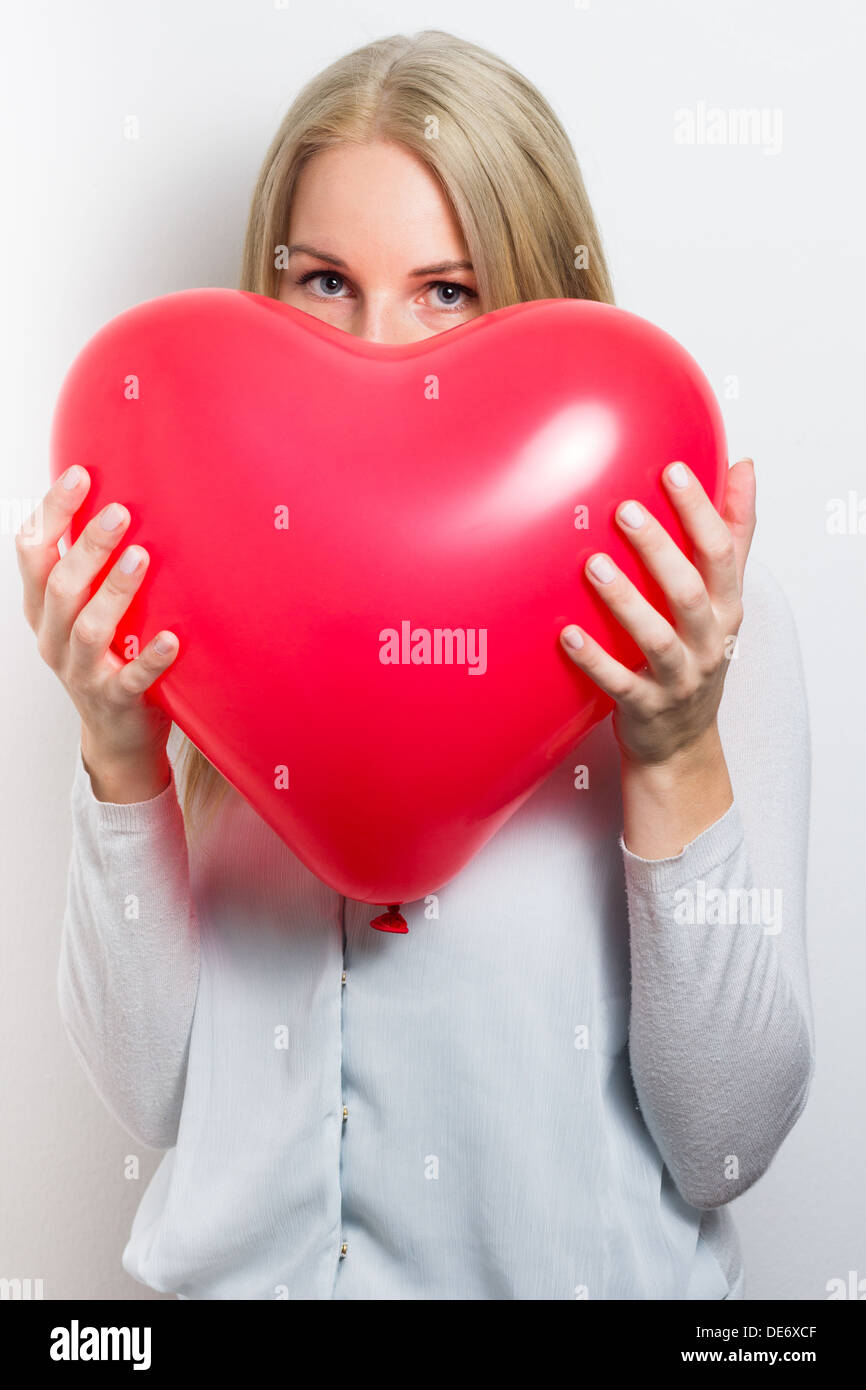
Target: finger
{"x":93,"y":629}
{"x":68,"y":584}
{"x":713,"y":543}
{"x":738,"y":510}
{"x":680,"y":581}
{"x":609,"y":675}
{"x":134,"y":677}
{"x":37,"y":540}
{"x":657,"y":639}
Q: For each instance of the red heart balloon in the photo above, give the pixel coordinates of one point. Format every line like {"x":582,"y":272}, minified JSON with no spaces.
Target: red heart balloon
{"x":368,"y":551}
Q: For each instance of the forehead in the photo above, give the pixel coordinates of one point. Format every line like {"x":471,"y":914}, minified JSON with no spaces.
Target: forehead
{"x":354,"y":197}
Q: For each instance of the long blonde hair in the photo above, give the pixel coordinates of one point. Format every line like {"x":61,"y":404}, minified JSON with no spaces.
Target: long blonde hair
{"x":502,"y":158}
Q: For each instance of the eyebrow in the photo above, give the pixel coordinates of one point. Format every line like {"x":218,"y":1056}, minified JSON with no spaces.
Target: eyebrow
{"x":441,"y":268}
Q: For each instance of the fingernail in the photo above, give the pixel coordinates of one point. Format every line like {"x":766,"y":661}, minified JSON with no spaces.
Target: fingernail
{"x":571,"y":636}
{"x":71,"y":478}
{"x":602,"y":569}
{"x":632,"y":515}
{"x":163,"y":644}
{"x":678,"y":475}
{"x":111,"y":517}
{"x":130,"y":560}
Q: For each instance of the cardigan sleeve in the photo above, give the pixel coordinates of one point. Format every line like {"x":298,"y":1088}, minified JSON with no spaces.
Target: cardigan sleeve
{"x":721,"y":1040}
{"x":129,"y":955}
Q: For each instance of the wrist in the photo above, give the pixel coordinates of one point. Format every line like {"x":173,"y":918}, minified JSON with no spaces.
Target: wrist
{"x":667,"y":804}
{"x":701,"y":755}
{"x":124,"y":778}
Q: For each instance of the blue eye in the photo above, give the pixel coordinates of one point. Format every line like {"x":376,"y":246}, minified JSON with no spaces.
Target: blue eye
{"x":331,"y":283}
{"x":451,"y":295}
{"x":447,"y":292}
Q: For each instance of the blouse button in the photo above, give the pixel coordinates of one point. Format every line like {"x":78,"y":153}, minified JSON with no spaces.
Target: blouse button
{"x":345,"y":1113}
{"x":344,"y":1250}
{"x":343,"y":980}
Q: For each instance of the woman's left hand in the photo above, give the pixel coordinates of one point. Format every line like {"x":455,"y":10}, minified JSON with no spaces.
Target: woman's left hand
{"x":672,"y":702}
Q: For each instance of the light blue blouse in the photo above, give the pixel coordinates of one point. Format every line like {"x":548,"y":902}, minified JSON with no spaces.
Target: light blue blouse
{"x":551,"y":1088}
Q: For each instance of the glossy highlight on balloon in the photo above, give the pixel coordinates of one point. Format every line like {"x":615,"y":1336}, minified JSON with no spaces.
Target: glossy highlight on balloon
{"x":368,"y":551}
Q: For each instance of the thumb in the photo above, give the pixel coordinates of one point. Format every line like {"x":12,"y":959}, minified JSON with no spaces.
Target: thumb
{"x":738,"y":509}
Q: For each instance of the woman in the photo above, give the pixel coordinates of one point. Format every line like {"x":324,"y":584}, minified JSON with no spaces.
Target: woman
{"x":555,"y":1084}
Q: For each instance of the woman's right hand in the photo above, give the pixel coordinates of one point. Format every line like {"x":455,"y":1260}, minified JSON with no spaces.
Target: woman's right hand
{"x":123,"y":737}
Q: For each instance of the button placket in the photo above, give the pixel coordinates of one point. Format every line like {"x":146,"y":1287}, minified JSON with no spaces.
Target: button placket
{"x":343,"y":978}
{"x":344,"y":1248}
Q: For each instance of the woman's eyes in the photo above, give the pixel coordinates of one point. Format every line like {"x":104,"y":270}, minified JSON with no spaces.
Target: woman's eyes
{"x":448,"y":294}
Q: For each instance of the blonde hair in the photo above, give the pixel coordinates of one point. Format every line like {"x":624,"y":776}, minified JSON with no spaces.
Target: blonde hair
{"x":501,"y":157}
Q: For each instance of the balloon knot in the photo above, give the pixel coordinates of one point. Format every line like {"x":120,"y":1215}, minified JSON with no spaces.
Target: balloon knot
{"x":392,"y":920}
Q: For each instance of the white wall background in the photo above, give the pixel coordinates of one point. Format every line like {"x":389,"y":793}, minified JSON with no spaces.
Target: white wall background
{"x":754,"y":260}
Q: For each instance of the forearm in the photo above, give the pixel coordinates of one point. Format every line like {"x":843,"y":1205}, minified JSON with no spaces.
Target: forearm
{"x":718,"y":1043}
{"x":666,"y":805}
{"x":719,"y":1049}
{"x":129,"y":957}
